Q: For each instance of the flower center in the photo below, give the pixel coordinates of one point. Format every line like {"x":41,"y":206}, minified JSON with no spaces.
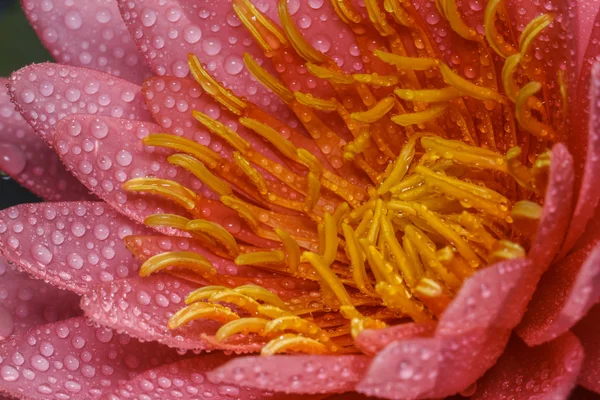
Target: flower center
{"x":410,"y":177}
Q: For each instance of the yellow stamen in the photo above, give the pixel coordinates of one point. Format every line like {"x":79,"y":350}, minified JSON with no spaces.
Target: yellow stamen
{"x":182,"y":144}
{"x":240,"y":300}
{"x":469,"y":88}
{"x":508,"y":81}
{"x":346,"y":11}
{"x":378,"y":19}
{"x":461,"y":152}
{"x":404,"y":62}
{"x":302,"y":47}
{"x":526,"y":210}
{"x":293,"y":343}
{"x":495,"y":40}
{"x":299,"y":325}
{"x":456,"y":22}
{"x":244,"y":211}
{"x":203,"y":293}
{"x":201,"y":172}
{"x":429,"y":114}
{"x":429,"y":95}
{"x":261,"y":257}
{"x":292,"y":249}
{"x":171,"y":190}
{"x":172,"y":220}
{"x":329,"y":278}
{"x":272,"y":311}
{"x":266,"y":33}
{"x":357,"y":260}
{"x":282,"y":144}
{"x":377,"y":112}
{"x":243,"y":325}
{"x":259,"y":293}
{"x":533,"y":28}
{"x":214,"y":88}
{"x":267,"y":79}
{"x":410,"y":273}
{"x":384,"y":269}
{"x":215,"y":231}
{"x":253,"y":174}
{"x":196,"y":311}
{"x":400,"y":167}
{"x":318,"y":104}
{"x":397,"y":299}
{"x":506,"y":250}
{"x":224,"y":132}
{"x":329,"y":74}
{"x":178,"y":259}
{"x":380,"y":210}
{"x":523,"y":112}
{"x":376,"y":79}
{"x":432,"y":295}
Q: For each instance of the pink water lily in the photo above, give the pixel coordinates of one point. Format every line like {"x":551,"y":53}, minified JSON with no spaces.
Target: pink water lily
{"x":395,"y":198}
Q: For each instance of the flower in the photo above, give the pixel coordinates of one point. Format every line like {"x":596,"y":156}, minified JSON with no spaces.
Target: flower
{"x":373,"y":212}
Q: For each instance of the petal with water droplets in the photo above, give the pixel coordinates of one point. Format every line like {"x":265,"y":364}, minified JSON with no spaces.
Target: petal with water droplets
{"x":141,"y":307}
{"x":587,"y":331}
{"x":524,"y":373}
{"x":299,"y":374}
{"x":70,"y":245}
{"x":166,"y":32}
{"x":46,"y":93}
{"x":87,"y":33}
{"x":26,"y":157}
{"x":186,"y":379}
{"x":71,"y":359}
{"x":372,"y":341}
{"x":564,"y":295}
{"x":28,"y":302}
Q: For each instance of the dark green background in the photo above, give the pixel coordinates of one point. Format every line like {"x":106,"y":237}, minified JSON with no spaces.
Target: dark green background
{"x":19,"y":46}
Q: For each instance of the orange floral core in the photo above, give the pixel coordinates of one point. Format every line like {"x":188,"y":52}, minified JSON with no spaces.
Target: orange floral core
{"x":407,"y":181}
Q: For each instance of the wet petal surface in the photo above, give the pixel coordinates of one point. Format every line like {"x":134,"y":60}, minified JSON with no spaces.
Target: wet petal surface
{"x":71,"y":359}
{"x":26,"y":157}
{"x":46,"y":93}
{"x":70,"y":245}
{"x":87,"y":33}
{"x":524,"y":373}
{"x":587,"y":331}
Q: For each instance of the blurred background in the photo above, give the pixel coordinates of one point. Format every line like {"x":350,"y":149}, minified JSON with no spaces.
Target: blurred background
{"x":18,"y":47}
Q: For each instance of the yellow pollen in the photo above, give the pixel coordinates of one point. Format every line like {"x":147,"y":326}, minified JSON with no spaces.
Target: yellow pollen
{"x":215,"y":231}
{"x":244,"y":325}
{"x":224,"y":132}
{"x":200,"y":171}
{"x":260,"y":257}
{"x":302,"y":47}
{"x":293,"y":343}
{"x":182,"y":144}
{"x":267,"y":79}
{"x":196,"y":311}
{"x":319,"y":104}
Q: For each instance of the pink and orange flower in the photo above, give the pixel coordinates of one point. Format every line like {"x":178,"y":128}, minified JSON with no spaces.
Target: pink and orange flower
{"x":305,"y":198}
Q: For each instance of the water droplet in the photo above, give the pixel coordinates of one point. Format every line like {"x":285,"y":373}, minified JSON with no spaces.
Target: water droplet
{"x":41,"y":254}
{"x":73,"y":20}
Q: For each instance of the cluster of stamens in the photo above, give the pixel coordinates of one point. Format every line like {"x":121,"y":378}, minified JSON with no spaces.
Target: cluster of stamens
{"x":408,"y":179}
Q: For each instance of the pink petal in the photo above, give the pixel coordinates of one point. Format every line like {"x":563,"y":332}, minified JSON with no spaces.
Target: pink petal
{"x":372,"y":341}
{"x":471,"y":335}
{"x":299,"y":374}
{"x":71,"y":359}
{"x":141,"y":307}
{"x":185,"y":379}
{"x":587,"y":331}
{"x":171,"y":101}
{"x":26,"y":158}
{"x":46,"y":93}
{"x":87,"y":33}
{"x":585,"y":146}
{"x":523,"y":373}
{"x":336,"y":42}
{"x":286,"y":287}
{"x":564,"y":295}
{"x":27,"y":302}
{"x":70,"y":245}
{"x":103,"y":153}
{"x":166,"y":32}
{"x":587,"y":12}
{"x":557,"y":208}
